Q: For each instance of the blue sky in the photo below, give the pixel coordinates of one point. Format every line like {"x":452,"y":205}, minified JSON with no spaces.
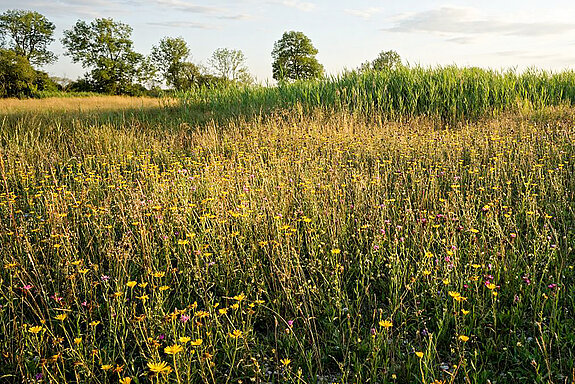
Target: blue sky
{"x":496,"y":34}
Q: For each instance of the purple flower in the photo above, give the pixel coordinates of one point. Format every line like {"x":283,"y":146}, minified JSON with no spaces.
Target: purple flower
{"x":552,"y":286}
{"x":184,"y":318}
{"x":290,"y":323}
{"x":105,"y":277}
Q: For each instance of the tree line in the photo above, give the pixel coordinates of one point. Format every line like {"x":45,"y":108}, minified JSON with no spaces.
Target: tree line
{"x":104,"y":47}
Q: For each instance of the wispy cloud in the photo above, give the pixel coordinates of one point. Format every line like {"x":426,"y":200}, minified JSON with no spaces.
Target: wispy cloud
{"x":236,"y":17}
{"x":297,"y":4}
{"x":189,"y":7}
{"x":364,"y":13}
{"x":182,"y":24}
{"x":468,"y":21}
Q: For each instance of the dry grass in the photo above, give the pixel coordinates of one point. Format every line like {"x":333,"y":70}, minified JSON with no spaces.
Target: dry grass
{"x":79,"y":104}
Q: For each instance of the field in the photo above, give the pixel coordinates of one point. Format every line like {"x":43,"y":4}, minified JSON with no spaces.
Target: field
{"x":139,"y":245}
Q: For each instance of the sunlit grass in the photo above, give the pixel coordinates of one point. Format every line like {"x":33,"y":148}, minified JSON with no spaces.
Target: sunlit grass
{"x":327,"y":247}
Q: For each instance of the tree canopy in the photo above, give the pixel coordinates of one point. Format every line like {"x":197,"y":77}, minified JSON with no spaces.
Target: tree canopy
{"x":230,"y":64}
{"x":170,"y":56}
{"x":385,"y":60}
{"x":294,"y":58}
{"x":29,"y":34}
{"x":105,"y":46}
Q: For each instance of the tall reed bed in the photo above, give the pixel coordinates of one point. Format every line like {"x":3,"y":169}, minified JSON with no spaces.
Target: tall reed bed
{"x":450,"y":93}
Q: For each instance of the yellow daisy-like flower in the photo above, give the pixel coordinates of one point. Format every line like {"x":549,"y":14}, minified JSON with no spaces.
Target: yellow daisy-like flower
{"x":61,"y":317}
{"x":106,"y":367}
{"x":235,"y":334}
{"x":126,"y":380}
{"x":239,"y":297}
{"x":36,"y":329}
{"x":94,"y":323}
{"x":419,"y":354}
{"x":196,"y":342}
{"x":173,"y":349}
{"x":77,"y":340}
{"x":161,"y":367}
{"x":386,"y":324}
{"x":131,"y":284}
{"x":184,"y":339}
{"x":285,"y":362}
{"x":463,"y":338}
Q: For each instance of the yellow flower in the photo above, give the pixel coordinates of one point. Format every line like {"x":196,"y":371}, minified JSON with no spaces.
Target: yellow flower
{"x":386,"y":324}
{"x":131,"y":284}
{"x":159,"y":274}
{"x":173,"y":349}
{"x":35,"y":329}
{"x":491,"y":286}
{"x":235,"y":334}
{"x":61,"y":317}
{"x":240,"y":297}
{"x":463,"y":338}
{"x":201,"y":314}
{"x":223,"y":311}
{"x":77,"y":340}
{"x":161,"y":367}
{"x":106,"y":367}
{"x":335,"y":251}
{"x":184,"y":339}
{"x":196,"y":342}
{"x":94,"y":323}
{"x":126,"y":380}
{"x":285,"y":362}
{"x":164,"y":288}
{"x":419,"y":354}
{"x":464,"y":311}
{"x":143,"y":297}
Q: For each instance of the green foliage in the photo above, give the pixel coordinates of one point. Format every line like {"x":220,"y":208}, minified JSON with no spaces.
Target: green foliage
{"x":384,"y":61}
{"x":19,"y":79}
{"x":230,"y":64}
{"x":105,"y":46}
{"x":29,"y":34}
{"x":294,"y":58}
{"x":170,"y":56}
{"x":450,"y":93}
{"x":16,"y":75}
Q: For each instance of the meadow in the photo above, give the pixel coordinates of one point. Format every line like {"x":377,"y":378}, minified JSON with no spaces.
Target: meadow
{"x":158,"y":241}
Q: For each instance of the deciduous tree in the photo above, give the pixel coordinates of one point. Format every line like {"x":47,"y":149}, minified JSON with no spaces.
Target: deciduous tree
{"x":294,"y":58}
{"x":230,"y":64}
{"x":28,"y":34}
{"x":106,"y":47}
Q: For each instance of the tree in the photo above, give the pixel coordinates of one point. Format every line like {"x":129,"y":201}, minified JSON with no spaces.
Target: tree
{"x":170,"y":57}
{"x":294,"y":58}
{"x":230,"y":64}
{"x":105,"y":46}
{"x":385,"y":60}
{"x":19,"y":79}
{"x":29,"y":34}
{"x":16,"y":75}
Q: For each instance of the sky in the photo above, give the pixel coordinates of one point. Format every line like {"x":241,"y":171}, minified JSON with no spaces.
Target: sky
{"x":495,"y":34}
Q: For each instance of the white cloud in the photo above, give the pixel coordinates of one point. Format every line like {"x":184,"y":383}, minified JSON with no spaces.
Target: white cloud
{"x":468,"y":21}
{"x":301,"y":5}
{"x":188,"y":7}
{"x":364,"y":13}
{"x":182,"y":24}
